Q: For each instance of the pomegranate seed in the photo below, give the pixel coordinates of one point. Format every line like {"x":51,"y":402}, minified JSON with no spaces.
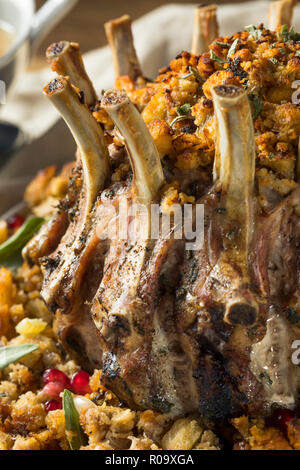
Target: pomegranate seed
{"x":55,"y":375}
{"x":15,"y":222}
{"x":281,"y":417}
{"x":52,"y":405}
{"x":80,"y":383}
{"x":53,"y":389}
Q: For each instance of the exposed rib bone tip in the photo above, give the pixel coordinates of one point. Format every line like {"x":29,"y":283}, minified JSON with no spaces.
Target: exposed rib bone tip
{"x":229,"y":91}
{"x":207,"y":6}
{"x":66,"y":60}
{"x":143,"y":154}
{"x":241,"y":313}
{"x":56,"y":49}
{"x":280,"y":13}
{"x":205,"y":29}
{"x":120,"y":39}
{"x":114,"y":98}
{"x":117,"y":21}
{"x":56,"y":85}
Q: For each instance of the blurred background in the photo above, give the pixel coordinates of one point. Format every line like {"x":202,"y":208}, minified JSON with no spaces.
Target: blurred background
{"x":85,"y":22}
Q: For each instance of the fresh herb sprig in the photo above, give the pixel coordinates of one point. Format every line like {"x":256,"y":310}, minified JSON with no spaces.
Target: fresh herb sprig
{"x":216,"y":58}
{"x":74,"y":432}
{"x":233,"y":47}
{"x":183,"y":112}
{"x":273,"y":60}
{"x":254,"y":32}
{"x":10,"y":251}
{"x":289,"y":34}
{"x":10,"y":354}
{"x":258,"y":105}
{"x":195,"y":73}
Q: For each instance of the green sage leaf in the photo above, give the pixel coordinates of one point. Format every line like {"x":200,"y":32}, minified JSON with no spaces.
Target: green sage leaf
{"x":10,"y":251}
{"x":75,"y":434}
{"x":10,"y":354}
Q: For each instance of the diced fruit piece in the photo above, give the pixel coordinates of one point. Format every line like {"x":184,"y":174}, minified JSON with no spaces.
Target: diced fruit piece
{"x":52,"y":405}
{"x":15,"y":222}
{"x":30,"y":327}
{"x":55,"y":375}
{"x":80,"y":383}
{"x":53,"y":389}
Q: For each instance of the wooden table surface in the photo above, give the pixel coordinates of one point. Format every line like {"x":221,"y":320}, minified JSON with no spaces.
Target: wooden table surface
{"x":84,"y":24}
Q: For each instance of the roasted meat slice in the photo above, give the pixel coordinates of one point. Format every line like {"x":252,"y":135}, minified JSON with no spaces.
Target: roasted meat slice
{"x":247,"y":268}
{"x":134,"y":306}
{"x":67,"y":270}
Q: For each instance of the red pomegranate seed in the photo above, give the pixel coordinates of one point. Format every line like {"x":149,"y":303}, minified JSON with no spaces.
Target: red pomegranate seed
{"x":15,"y":222}
{"x":281,"y":417}
{"x":55,"y":375}
{"x":52,"y":405}
{"x":53,"y":389}
{"x":80,"y":383}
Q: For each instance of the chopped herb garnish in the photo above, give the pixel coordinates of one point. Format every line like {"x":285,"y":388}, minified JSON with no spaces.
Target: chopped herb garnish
{"x":74,"y":432}
{"x":217,"y":58}
{"x":254,"y":32}
{"x":10,"y":251}
{"x":182,"y":113}
{"x":282,"y":51}
{"x":272,"y":46}
{"x":257,"y":103}
{"x":273,"y":60}
{"x":222,"y":44}
{"x":184,"y":109}
{"x":284,"y":32}
{"x":233,"y":47}
{"x":10,"y":354}
{"x":289,"y":35}
{"x":178,"y":118}
{"x":195,"y":73}
{"x":271,"y":155}
{"x":265,"y":376}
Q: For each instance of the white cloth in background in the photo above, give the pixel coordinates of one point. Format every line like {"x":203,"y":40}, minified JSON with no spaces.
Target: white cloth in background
{"x":159,"y":36}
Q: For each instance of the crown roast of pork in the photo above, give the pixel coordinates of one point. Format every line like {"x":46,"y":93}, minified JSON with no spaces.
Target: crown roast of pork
{"x":174,"y":330}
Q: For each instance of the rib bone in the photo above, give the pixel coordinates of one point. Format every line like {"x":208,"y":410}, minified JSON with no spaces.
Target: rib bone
{"x":87,"y":134}
{"x":144,"y":157}
{"x":128,"y":303}
{"x":120,"y":39}
{"x":66,"y":60}
{"x":65,"y":287}
{"x":206,"y":28}
{"x":234,"y":174}
{"x":280,"y":13}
